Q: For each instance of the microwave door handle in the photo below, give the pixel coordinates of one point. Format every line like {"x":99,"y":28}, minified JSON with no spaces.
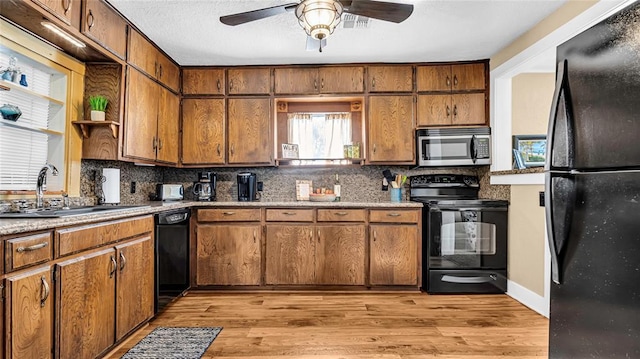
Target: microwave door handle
{"x":474,"y":149}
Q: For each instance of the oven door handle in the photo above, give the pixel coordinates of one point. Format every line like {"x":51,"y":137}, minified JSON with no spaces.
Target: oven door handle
{"x":465,"y":209}
{"x":469,"y":280}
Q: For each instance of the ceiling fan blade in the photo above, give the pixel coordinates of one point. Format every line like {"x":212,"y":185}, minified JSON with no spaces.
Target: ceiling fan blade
{"x":315,"y":44}
{"x":380,"y":10}
{"x":245,"y":17}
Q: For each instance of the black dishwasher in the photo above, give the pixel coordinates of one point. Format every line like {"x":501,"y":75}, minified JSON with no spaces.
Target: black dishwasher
{"x":172,"y":256}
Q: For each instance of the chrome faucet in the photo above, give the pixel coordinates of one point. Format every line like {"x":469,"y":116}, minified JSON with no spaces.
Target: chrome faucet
{"x":42,"y":180}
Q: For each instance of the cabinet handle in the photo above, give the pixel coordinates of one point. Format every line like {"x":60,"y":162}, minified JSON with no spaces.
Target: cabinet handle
{"x":123,"y":261}
{"x":455,"y":111}
{"x":114,"y":267}
{"x":230,"y":85}
{"x":289,"y":213}
{"x":66,"y":6}
{"x":341,"y":213}
{"x":373,"y":83}
{"x":45,"y":291}
{"x":90,"y":19}
{"x":375,"y":235}
{"x":160,"y":72}
{"x":315,"y":84}
{"x":154,"y":143}
{"x":228,"y":213}
{"x":218,"y":149}
{"x":393,"y":214}
{"x":322,"y":84}
{"x":455,"y":80}
{"x":159,"y":143}
{"x":232,"y":149}
{"x":254,"y":236}
{"x":155,"y":68}
{"x":448,"y":81}
{"x":374,"y":148}
{"x":448,"y":111}
{"x":218,"y":85}
{"x":311,"y":235}
{"x":32,"y":248}
{"x":318,"y":235}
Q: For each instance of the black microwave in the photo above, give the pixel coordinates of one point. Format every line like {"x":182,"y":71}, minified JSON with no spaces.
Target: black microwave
{"x":453,"y":147}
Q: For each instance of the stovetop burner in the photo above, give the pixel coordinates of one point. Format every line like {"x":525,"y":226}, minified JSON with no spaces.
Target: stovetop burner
{"x":449,"y":190}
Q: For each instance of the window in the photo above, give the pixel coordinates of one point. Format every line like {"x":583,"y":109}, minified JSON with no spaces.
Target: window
{"x":320,"y":135}
{"x":37,"y":136}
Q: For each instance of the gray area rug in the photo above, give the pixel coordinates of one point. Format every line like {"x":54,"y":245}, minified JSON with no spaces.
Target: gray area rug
{"x":174,"y":343}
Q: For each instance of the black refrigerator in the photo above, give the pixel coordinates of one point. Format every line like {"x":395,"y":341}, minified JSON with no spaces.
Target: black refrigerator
{"x":592,"y":194}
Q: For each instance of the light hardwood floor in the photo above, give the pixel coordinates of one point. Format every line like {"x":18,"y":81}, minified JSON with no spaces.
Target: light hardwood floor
{"x":357,"y":325}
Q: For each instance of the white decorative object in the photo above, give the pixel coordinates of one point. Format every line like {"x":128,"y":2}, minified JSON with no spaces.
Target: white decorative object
{"x":97,"y":115}
{"x":111,"y":185}
{"x":290,"y":150}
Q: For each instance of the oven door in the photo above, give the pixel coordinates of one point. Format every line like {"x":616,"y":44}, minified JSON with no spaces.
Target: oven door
{"x":466,"y":238}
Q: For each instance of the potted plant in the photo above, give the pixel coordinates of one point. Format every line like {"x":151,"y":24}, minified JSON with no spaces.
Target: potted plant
{"x":98,"y":105}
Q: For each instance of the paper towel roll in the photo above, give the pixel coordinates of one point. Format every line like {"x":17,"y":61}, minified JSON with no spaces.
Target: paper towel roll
{"x":111,"y":185}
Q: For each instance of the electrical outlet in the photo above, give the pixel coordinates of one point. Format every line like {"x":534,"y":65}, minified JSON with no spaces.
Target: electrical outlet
{"x":541,"y":199}
{"x":133,"y":187}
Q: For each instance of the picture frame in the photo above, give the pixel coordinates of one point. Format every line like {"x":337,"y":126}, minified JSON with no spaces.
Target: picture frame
{"x":303,"y":189}
{"x":529,"y":151}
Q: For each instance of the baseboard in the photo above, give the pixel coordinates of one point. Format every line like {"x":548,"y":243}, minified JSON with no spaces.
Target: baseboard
{"x":532,"y":300}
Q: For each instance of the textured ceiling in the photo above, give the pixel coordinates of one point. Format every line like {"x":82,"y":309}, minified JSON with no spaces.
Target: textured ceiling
{"x":438,"y":30}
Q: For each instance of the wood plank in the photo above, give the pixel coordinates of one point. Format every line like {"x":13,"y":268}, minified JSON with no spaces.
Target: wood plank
{"x":319,"y":325}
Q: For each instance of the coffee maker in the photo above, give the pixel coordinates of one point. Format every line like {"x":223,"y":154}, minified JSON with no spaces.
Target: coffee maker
{"x":205,"y":188}
{"x":247,"y":187}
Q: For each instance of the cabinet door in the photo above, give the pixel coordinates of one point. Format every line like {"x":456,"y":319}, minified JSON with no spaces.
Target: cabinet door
{"x":290,"y":253}
{"x":391,"y":127}
{"x":296,"y":80}
{"x":228,"y":254}
{"x":142,"y":116}
{"x":30,"y":314}
{"x":390,"y":78}
{"x":168,"y":72}
{"x":142,"y":54}
{"x":342,"y":79}
{"x":250,"y":137}
{"x":105,"y":26}
{"x":249,"y":81}
{"x":434,"y":110}
{"x":468,"y":109}
{"x":135,"y":285}
{"x":436,"y":78}
{"x":340,"y":254}
{"x":468,"y":77}
{"x":203,"y":81}
{"x":203,"y":132}
{"x":394,"y":254}
{"x":85,"y":305}
{"x":65,"y":10}
{"x":168,"y":126}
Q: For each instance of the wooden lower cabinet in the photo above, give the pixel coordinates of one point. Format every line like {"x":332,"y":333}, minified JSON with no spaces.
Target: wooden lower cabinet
{"x":29,"y":314}
{"x":228,"y":254}
{"x":85,"y":302}
{"x":290,"y":252}
{"x":394,"y":254}
{"x":135,"y":284}
{"x":340,"y":254}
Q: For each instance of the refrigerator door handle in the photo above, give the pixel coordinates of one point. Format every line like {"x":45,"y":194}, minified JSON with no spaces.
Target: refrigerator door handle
{"x":548,"y":210}
{"x":561,"y":188}
{"x":560,"y":101}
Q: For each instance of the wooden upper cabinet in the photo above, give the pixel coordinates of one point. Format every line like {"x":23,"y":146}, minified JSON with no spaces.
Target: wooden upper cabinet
{"x":250,"y":136}
{"x":168,"y":126}
{"x":146,"y":57}
{"x":313,"y":80}
{"x":203,"y":132}
{"x":341,"y":79}
{"x":29,"y":314}
{"x":469,"y":109}
{"x":249,"y":81}
{"x":390,"y":78}
{"x":105,"y":26}
{"x":391,"y":129}
{"x":456,"y":109}
{"x":205,"y":81}
{"x":65,"y":10}
{"x":141,"y":117}
{"x":448,"y":78}
{"x":296,"y":80}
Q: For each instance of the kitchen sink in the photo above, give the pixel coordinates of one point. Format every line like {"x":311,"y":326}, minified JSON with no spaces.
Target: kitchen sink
{"x":58,"y":212}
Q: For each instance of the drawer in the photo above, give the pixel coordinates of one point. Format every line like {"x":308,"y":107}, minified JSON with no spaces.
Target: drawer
{"x":76,"y":239}
{"x":25,"y":251}
{"x":394,"y":215}
{"x":289,"y":215}
{"x":229,"y":215}
{"x":342,"y":215}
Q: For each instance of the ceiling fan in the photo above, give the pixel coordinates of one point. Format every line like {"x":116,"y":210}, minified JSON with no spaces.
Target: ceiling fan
{"x":320,"y":17}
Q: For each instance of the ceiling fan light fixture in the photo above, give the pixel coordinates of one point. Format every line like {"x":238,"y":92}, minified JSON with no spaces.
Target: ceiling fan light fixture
{"x":319,"y":17}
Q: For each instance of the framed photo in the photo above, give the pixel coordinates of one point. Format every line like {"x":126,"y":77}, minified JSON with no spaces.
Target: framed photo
{"x":290,"y":150}
{"x":303,"y":188}
{"x":532,"y":150}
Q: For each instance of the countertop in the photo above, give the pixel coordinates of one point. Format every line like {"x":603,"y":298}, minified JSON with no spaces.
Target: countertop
{"x":20,"y":225}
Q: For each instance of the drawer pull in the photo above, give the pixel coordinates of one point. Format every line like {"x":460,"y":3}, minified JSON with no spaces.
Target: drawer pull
{"x":123,"y":261}
{"x":32,"y":248}
{"x":45,"y":291}
{"x":341,"y":213}
{"x":114,"y":266}
{"x":289,"y":213}
{"x":228,"y":213}
{"x":90,"y":20}
{"x":393,"y":214}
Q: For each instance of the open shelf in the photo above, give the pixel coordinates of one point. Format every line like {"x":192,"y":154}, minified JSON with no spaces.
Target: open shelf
{"x":86,"y":125}
{"x":12,"y":86}
{"x":4,"y":122}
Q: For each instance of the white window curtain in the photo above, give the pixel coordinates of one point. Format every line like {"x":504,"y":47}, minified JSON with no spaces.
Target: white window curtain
{"x":320,"y":135}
